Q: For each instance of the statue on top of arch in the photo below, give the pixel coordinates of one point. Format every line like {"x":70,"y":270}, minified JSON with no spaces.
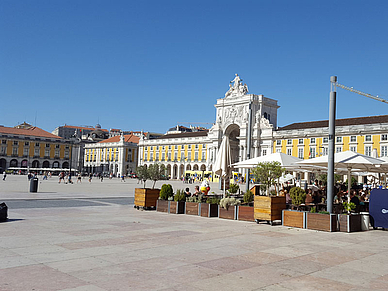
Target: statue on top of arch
{"x":238,"y":88}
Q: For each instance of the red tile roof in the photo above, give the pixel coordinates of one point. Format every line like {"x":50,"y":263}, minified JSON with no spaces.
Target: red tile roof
{"x":33,"y":131}
{"x":127,"y":138}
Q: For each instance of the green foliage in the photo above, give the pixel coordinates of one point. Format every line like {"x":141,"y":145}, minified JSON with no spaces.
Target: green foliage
{"x":156,"y":172}
{"x":213,"y":200}
{"x":229,"y":201}
{"x":354,"y":181}
{"x":349,"y":206}
{"x":313,"y":209}
{"x":324,"y":212}
{"x":298,"y":195}
{"x":323,"y":178}
{"x":142,"y":174}
{"x":248,"y":196}
{"x":267,"y":173}
{"x":233,"y":188}
{"x":180,"y":196}
{"x":166,"y":192}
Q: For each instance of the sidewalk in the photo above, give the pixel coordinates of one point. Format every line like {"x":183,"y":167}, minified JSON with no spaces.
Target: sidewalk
{"x":120,"y":248}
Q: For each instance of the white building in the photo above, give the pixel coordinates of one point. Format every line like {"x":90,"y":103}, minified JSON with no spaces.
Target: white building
{"x":117,"y":155}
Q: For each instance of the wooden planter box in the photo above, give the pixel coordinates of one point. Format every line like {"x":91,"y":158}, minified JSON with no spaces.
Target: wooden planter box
{"x":192,"y":208}
{"x":246,"y":213}
{"x":209,"y":210}
{"x":323,"y":222}
{"x":162,"y":205}
{"x":227,"y":214}
{"x":269,"y":208}
{"x":294,"y":218}
{"x":177,"y":207}
{"x":146,"y":198}
{"x":349,"y":223}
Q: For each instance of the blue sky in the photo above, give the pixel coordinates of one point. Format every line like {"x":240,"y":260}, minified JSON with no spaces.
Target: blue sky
{"x":148,"y":65}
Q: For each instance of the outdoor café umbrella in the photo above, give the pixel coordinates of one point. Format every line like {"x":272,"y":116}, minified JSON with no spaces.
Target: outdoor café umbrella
{"x":285,"y":161}
{"x":348,"y":160}
{"x":223,"y":160}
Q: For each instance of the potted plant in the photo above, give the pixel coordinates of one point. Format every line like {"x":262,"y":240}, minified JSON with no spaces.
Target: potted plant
{"x":146,"y":197}
{"x":322,"y":220}
{"x":178,"y":205}
{"x":228,"y":208}
{"x":246,"y":210}
{"x":163,"y":204}
{"x":295,"y":218}
{"x":193,"y":205}
{"x":269,"y":207}
{"x":349,"y":222}
{"x":210,"y":207}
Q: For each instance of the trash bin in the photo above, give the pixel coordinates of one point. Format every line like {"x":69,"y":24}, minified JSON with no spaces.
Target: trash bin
{"x":34,"y":184}
{"x":3,"y":212}
{"x":364,"y":220}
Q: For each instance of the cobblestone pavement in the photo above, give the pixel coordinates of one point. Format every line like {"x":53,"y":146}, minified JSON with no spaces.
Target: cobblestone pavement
{"x":112,"y":246}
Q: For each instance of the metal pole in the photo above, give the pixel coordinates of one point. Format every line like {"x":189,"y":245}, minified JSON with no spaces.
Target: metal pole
{"x":330,"y":166}
{"x":249,"y":143}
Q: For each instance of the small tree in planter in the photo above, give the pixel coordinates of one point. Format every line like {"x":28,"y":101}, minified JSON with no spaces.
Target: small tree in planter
{"x":268,"y":173}
{"x":268,"y":208}
{"x":156,"y":172}
{"x":142,"y":174}
{"x":166,"y":192}
{"x":178,"y":205}
{"x":298,"y":196}
{"x":248,"y":197}
{"x":233,"y":188}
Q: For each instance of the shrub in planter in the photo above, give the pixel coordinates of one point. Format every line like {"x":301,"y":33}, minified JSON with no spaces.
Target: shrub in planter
{"x":248,"y":197}
{"x":166,"y":192}
{"x":298,"y":195}
{"x":229,"y":201}
{"x":180,"y":196}
{"x":233,"y":188}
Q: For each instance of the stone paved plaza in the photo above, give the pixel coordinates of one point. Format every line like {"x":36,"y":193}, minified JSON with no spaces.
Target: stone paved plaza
{"x":113,"y":246}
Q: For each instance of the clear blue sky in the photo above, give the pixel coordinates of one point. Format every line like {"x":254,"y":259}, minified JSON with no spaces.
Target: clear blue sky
{"x":150,"y":64}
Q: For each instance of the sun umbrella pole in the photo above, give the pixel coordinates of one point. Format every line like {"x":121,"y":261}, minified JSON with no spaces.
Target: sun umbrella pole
{"x":330,"y":166}
{"x":349,"y":184}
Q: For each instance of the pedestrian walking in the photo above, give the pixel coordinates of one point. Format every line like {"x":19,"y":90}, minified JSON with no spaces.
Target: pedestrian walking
{"x":90,"y":177}
{"x":79,"y":178}
{"x":4,"y":175}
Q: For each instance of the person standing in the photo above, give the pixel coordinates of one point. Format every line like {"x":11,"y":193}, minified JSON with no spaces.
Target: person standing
{"x":4,"y":175}
{"x":90,"y":177}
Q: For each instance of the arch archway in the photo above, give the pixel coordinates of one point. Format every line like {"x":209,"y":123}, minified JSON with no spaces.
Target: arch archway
{"x":65,"y":165}
{"x":3,"y":164}
{"x":175,"y":172}
{"x":24,"y":164}
{"x":188,"y":168}
{"x":35,"y":164}
{"x":56,"y":164}
{"x":233,"y":132}
{"x":168,"y":170}
{"x":13,"y":163}
{"x":46,"y":164}
{"x":203,"y":167}
{"x":195,"y":168}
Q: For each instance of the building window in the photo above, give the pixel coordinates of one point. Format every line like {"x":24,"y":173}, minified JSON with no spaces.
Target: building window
{"x":313,"y":140}
{"x":312,"y":153}
{"x":36,"y":152}
{"x":57,"y":146}
{"x":189,"y":146}
{"x":384,"y":137}
{"x":278,"y":150}
{"x":339,"y":138}
{"x":151,"y":157}
{"x":4,"y":141}
{"x":353,"y":138}
{"x":289,"y":141}
{"x":278,"y":142}
{"x":368,"y":150}
{"x":182,"y":156}
{"x":145,"y":157}
{"x":47,"y":153}
{"x":189,"y":156}
{"x":264,"y":152}
{"x":383,"y":151}
{"x":175,"y":156}
{"x":163,"y":157}
{"x":289,"y":152}
{"x":338,"y":149}
{"x":169,"y":157}
{"x":3,"y":150}
{"x":15,"y":142}
{"x":300,"y":153}
{"x":36,"y":144}
{"x":203,"y":156}
{"x":25,"y":151}
{"x":47,"y":145}
{"x":300,"y":141}
{"x":169,"y":147}
{"x":325,"y":151}
{"x":325,"y":140}
{"x":353,"y":149}
{"x":26,"y":143}
{"x":368,"y":138}
{"x":157,"y":156}
{"x":67,"y":155}
{"x":196,"y":156}
{"x":196,"y":146}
